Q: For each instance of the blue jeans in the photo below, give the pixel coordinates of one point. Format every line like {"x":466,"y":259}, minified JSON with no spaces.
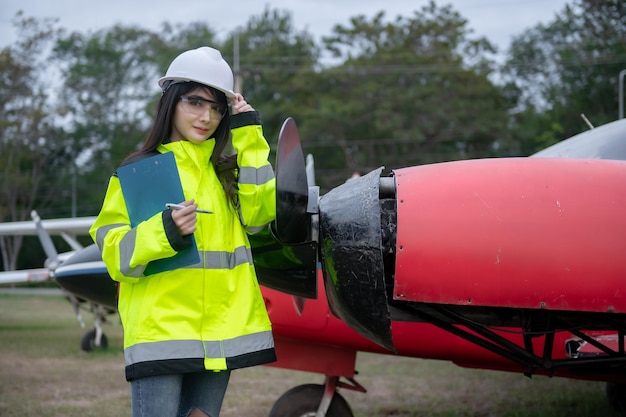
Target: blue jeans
{"x":177,"y":395}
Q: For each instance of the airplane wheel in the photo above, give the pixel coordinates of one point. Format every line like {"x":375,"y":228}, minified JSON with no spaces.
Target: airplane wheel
{"x":88,"y":342}
{"x":303,"y":401}
{"x":616,"y":394}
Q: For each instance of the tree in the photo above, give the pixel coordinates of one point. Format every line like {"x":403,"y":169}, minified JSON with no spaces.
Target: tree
{"x":411,"y":91}
{"x":30,"y":141}
{"x":276,"y":62}
{"x":110,"y":91}
{"x":566,"y":68}
{"x":109,"y":88}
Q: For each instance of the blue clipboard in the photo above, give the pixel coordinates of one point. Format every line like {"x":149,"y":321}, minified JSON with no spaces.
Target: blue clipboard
{"x":147,"y":185}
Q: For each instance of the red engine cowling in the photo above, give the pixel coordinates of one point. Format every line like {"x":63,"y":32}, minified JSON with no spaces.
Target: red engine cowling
{"x":528,"y":233}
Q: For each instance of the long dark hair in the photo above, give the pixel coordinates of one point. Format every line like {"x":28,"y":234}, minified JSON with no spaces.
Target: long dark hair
{"x":225,"y":165}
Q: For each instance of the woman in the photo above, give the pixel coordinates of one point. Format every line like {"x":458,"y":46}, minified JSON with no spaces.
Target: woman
{"x":186,"y":329}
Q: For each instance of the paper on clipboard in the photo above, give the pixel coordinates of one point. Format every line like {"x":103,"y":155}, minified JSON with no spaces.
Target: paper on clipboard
{"x":147,"y":186}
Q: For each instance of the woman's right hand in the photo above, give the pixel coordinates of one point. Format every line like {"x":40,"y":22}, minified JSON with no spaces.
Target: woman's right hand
{"x":239,"y":104}
{"x":185,"y":218}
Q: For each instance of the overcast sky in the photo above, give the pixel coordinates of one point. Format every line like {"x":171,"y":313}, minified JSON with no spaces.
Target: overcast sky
{"x":497,"y":20}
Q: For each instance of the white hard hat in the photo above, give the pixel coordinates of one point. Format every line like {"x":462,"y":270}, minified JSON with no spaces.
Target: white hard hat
{"x":204,"y":65}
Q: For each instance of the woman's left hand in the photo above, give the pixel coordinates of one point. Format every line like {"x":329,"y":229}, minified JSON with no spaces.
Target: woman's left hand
{"x":239,"y":104}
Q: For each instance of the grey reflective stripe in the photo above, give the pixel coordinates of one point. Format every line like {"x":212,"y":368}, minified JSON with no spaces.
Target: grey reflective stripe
{"x":102,"y":232}
{"x":255,"y":176}
{"x":208,"y":259}
{"x":184,"y":349}
{"x":254,"y":229}
{"x":225,"y":260}
{"x":250,"y":229}
{"x":239,"y":345}
{"x":127,"y":248}
{"x":171,"y":349}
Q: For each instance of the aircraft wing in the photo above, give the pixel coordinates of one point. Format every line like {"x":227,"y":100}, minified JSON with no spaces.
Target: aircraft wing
{"x":76,"y":225}
{"x":44,"y":228}
{"x":24,"y":276}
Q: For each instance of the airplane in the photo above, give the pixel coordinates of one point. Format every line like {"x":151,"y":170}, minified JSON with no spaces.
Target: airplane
{"x":510,"y":264}
{"x":99,"y":305}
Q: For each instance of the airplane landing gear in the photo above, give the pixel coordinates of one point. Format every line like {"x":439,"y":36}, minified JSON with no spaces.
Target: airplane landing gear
{"x":314,"y":400}
{"x":95,"y":338}
{"x":90,"y":341}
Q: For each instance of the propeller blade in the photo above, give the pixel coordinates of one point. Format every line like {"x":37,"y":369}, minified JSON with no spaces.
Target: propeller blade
{"x":292,"y":189}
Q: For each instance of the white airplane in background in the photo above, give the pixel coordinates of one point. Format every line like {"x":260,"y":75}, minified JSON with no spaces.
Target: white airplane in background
{"x":67,"y":228}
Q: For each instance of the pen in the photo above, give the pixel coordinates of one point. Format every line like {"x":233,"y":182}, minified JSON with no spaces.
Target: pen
{"x":173,"y":206}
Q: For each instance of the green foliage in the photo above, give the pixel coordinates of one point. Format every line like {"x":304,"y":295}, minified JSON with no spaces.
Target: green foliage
{"x":29,"y":145}
{"x":570,"y":67}
{"x":415,"y":90}
{"x":276,"y":63}
{"x":108,"y":79}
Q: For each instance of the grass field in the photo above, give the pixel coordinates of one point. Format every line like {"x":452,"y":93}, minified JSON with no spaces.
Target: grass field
{"x":43,"y":373}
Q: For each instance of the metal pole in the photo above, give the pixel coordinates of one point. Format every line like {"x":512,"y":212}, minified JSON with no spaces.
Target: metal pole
{"x":621,"y":93}
{"x":74,"y":189}
{"x":237,"y":70}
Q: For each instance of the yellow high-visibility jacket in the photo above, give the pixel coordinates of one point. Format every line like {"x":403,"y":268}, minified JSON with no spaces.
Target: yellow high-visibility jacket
{"x":209,"y":316}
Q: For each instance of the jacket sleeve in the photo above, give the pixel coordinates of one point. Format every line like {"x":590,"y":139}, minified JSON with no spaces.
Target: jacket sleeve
{"x":257,"y":185}
{"x":126,"y":251}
